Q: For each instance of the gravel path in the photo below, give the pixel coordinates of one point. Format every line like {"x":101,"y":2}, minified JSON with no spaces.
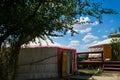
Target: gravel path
{"x":108,"y":76}
{"x":105,"y":78}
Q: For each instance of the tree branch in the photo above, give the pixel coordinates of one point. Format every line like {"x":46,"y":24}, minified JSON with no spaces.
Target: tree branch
{"x":40,"y":2}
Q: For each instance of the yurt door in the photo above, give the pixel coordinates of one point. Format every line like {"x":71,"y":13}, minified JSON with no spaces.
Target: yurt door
{"x":66,"y":63}
{"x":69,"y":63}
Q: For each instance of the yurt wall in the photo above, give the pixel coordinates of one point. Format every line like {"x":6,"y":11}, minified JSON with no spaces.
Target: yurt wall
{"x":45,"y":62}
{"x":37,"y":63}
{"x":107,"y":52}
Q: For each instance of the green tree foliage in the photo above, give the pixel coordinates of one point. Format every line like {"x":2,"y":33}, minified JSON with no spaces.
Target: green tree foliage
{"x":115,"y":45}
{"x":23,"y":20}
{"x":116,"y":49}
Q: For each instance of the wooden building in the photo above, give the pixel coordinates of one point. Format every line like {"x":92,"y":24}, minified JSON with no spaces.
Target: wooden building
{"x":46,"y":62}
{"x":101,"y":54}
{"x":104,"y":46}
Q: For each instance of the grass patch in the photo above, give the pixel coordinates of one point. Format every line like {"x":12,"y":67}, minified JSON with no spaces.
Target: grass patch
{"x":92,"y":71}
{"x":97,"y":72}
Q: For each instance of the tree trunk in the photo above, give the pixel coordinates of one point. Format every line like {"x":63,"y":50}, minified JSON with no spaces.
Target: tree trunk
{"x":3,"y":66}
{"x":8,"y":62}
{"x":14,"y":59}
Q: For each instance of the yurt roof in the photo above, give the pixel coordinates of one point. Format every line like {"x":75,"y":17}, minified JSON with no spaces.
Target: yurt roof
{"x":104,"y":42}
{"x":39,"y":43}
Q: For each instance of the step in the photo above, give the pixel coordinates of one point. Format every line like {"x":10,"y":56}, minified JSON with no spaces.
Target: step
{"x":111,"y":68}
{"x":111,"y":65}
{"x":112,"y":62}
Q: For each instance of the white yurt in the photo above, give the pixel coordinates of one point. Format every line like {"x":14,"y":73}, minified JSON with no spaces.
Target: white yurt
{"x":46,"y":61}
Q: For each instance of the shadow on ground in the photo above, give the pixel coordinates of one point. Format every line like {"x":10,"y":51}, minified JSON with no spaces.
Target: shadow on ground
{"x":78,"y":76}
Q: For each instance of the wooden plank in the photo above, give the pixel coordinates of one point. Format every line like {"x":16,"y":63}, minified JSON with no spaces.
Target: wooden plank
{"x":113,"y":69}
{"x":90,"y":63}
{"x":112,"y":65}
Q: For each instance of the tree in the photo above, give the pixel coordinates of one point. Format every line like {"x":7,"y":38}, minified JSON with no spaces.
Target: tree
{"x":115,"y":44}
{"x":23,"y":20}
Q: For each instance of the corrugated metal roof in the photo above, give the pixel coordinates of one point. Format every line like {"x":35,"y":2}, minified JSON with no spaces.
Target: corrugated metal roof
{"x":106,"y":41}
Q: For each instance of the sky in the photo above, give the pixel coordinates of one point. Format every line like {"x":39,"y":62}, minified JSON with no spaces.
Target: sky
{"x":91,"y":33}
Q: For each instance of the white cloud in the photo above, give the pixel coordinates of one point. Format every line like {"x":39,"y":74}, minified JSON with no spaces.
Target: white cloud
{"x":84,"y":19}
{"x":89,"y":37}
{"x":83,"y":25}
{"x":82,"y":28}
{"x":80,"y":47}
{"x":76,"y":45}
{"x":105,"y":36}
{"x":94,"y":42}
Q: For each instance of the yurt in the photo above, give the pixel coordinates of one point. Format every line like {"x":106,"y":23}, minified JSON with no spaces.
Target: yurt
{"x":46,"y":62}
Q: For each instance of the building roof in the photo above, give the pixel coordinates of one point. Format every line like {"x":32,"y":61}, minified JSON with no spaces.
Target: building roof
{"x":101,"y":43}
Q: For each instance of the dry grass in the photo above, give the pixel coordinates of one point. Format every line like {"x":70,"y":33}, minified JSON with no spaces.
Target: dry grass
{"x":94,"y":72}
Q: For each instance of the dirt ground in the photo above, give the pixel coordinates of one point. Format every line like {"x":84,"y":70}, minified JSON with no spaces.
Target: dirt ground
{"x":103,"y":76}
{"x":89,"y":75}
{"x":106,"y":75}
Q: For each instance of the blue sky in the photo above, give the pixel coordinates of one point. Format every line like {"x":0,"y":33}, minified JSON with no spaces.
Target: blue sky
{"x":92,"y":33}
